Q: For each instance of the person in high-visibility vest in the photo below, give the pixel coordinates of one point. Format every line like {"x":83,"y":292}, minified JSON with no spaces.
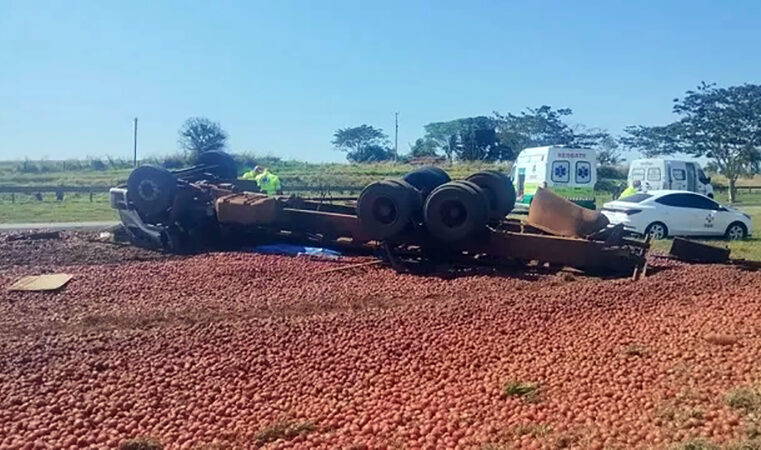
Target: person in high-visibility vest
{"x":631,"y":190}
{"x":268,"y":182}
{"x":250,"y":175}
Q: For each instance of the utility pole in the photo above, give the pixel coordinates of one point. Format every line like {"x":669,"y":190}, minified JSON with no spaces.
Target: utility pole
{"x":134,"y":149}
{"x":396,"y":135}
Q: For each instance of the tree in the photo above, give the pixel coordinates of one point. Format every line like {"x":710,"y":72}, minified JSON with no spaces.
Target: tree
{"x":423,"y":147}
{"x":502,"y":137}
{"x":468,"y":139}
{"x":609,"y":154}
{"x":723,"y":124}
{"x":362,"y":144}
{"x":606,"y":146}
{"x":444,"y":135}
{"x":535,"y":127}
{"x":199,"y":134}
{"x":653,"y":141}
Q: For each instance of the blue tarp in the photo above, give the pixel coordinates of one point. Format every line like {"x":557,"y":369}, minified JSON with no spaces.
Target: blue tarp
{"x":295,"y":250}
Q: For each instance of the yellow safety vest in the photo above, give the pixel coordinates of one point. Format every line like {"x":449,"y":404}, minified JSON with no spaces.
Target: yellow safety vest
{"x":268,"y":182}
{"x":628,"y":192}
{"x":250,"y":175}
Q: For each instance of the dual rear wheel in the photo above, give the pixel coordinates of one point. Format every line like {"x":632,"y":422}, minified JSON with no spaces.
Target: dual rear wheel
{"x":386,"y":208}
{"x":449,"y":210}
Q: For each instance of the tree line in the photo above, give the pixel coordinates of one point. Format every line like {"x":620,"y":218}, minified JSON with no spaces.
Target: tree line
{"x":721,"y":124}
{"x":499,"y":137}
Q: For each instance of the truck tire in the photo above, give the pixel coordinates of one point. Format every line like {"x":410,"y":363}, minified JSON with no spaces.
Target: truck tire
{"x":426,"y":179}
{"x":414,"y":197}
{"x":151,"y":190}
{"x":499,"y":191}
{"x":221,"y":164}
{"x":455,"y":211}
{"x":385,"y":208}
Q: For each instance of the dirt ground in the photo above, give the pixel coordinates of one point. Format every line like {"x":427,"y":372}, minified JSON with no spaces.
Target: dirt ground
{"x":239,"y":350}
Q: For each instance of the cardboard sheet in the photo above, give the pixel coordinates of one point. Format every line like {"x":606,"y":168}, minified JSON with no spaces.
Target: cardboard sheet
{"x":49,"y":282}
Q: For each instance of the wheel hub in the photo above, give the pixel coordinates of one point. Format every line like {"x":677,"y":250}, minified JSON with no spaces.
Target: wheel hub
{"x":148,"y":190}
{"x":453,"y":214}
{"x":384,"y":211}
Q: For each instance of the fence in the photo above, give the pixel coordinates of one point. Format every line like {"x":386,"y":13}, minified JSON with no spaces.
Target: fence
{"x":749,"y":189}
{"x":60,"y":191}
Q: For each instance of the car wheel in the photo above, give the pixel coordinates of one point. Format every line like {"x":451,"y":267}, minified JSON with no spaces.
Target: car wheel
{"x":736,"y":231}
{"x":657,"y":230}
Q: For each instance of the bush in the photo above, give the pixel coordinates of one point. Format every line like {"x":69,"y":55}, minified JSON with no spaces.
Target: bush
{"x":247,"y":160}
{"x":27,"y":166}
{"x":612,"y":172}
{"x":72,"y":165}
{"x":118,"y":163}
{"x":176,"y":161}
{"x":612,"y":186}
{"x":97,"y":164}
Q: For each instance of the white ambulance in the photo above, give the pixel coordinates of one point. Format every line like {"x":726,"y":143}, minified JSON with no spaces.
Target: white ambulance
{"x":657,"y":174}
{"x":568,"y":172}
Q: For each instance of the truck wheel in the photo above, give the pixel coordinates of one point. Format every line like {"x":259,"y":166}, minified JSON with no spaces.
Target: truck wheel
{"x":499,"y":191}
{"x":224,"y":166}
{"x":455,"y":210}
{"x":414,"y":197}
{"x":657,"y":230}
{"x":384,"y":209}
{"x":151,"y":190}
{"x":426,"y":179}
{"x":736,"y":231}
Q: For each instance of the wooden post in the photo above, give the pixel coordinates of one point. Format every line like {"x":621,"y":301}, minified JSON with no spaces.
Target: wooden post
{"x":13,"y":197}
{"x":90,"y":196}
{"x":134,"y":149}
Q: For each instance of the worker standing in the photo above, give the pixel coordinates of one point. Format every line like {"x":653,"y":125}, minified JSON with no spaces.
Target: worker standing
{"x":631,"y":190}
{"x":268,"y":182}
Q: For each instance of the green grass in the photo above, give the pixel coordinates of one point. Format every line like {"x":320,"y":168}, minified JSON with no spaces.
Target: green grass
{"x":696,"y":444}
{"x":73,"y":208}
{"x":293,"y":173}
{"x":635,"y":350}
{"x":744,"y":398}
{"x":283,"y":430}
{"x":526,"y":390}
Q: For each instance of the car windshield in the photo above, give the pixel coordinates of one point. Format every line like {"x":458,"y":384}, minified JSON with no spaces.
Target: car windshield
{"x":636,"y":198}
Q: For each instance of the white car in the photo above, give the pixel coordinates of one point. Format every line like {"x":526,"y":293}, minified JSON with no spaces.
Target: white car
{"x":677,"y":213}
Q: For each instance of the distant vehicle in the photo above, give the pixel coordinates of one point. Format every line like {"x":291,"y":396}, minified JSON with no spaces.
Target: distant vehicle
{"x":670,"y":174}
{"x":677,"y":213}
{"x":568,"y":172}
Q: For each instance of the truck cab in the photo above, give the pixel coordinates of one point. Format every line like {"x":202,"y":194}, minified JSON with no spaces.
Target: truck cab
{"x":670,"y":174}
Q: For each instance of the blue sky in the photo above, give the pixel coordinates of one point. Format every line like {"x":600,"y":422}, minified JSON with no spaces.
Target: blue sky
{"x":282,"y":76}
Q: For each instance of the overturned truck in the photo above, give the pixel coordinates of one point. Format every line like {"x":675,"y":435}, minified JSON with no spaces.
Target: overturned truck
{"x":422,"y":217}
